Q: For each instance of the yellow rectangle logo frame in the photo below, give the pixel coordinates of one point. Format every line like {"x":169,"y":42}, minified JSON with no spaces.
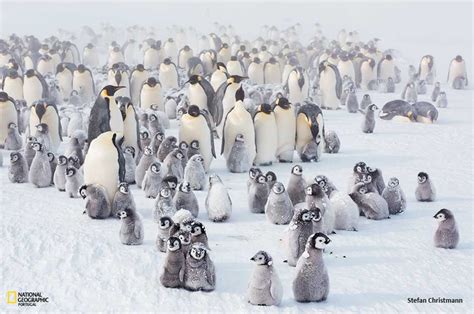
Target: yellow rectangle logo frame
{"x":12,"y":297}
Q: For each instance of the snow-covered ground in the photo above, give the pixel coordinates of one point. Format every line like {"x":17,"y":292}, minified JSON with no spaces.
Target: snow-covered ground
{"x":49,"y":246}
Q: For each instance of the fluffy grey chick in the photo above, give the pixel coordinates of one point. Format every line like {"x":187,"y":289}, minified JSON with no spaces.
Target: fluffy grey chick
{"x":258,"y":195}
{"x":195,"y":174}
{"x":447,"y":234}
{"x":97,"y":201}
{"x":186,"y":199}
{"x":163,"y":205}
{"x":365,"y":102}
{"x":352,"y":104}
{"x":153,"y":180}
{"x":40,"y":170}
{"x":238,"y":159}
{"x":130,"y":164}
{"x":166,"y":147}
{"x":200,"y":274}
{"x":143,"y":165}
{"x":279,"y":208}
{"x":425,"y":191}
{"x":131,"y":231}
{"x":296,"y":185}
{"x":59,"y":177}
{"x":395,"y":197}
{"x":264,"y":287}
{"x":172,"y":165}
{"x":371,"y":204}
{"x":442,"y":100}
{"x":368,"y":125}
{"x":174,"y":265}
{"x":332,"y":144}
{"x":74,"y":180}
{"x":13,"y":140}
{"x":18,"y":169}
{"x":164,"y":228}
{"x":123,"y":199}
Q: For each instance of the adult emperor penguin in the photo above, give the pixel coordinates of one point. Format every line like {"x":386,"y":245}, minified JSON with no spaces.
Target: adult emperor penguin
{"x":137,"y":78}
{"x":83,"y":83}
{"x":8,"y":115}
{"x":386,"y":68}
{"x":195,"y":125}
{"x":131,"y":126}
{"x":45,"y":65}
{"x":64,"y":76}
{"x":457,"y":71}
{"x":427,"y":70}
{"x":309,"y":128}
{"x":184,"y":55}
{"x":265,"y":139}
{"x":346,"y":67}
{"x":104,"y":163}
{"x":151,"y":94}
{"x":298,"y":85}
{"x":34,"y":87}
{"x":170,"y":50}
{"x":168,"y":74}
{"x":238,"y":121}
{"x":286,"y":129}
{"x":90,"y":56}
{"x":118,"y":75}
{"x":46,"y":112}
{"x":255,"y":71}
{"x":152,"y":56}
{"x":330,"y":83}
{"x":201,"y":94}
{"x":13,"y":84}
{"x":225,"y":99}
{"x":105,"y":114}
{"x":235,"y":66}
{"x":219,"y":76}
{"x":272,"y":71}
{"x":367,"y":73}
{"x":115,"y":56}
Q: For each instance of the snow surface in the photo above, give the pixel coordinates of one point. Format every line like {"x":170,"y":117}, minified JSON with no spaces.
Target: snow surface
{"x":48,"y":245}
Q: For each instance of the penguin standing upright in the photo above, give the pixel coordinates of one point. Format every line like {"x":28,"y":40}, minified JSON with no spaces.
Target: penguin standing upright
{"x":118,"y":76}
{"x":104,"y":163}
{"x":272,"y":71}
{"x":457,"y":75}
{"x":64,"y":76}
{"x":137,"y":78}
{"x":201,"y":94}
{"x":219,"y":76}
{"x":184,"y":55}
{"x":225,"y":99}
{"x":151,"y":94}
{"x":195,"y":125}
{"x":265,"y":139}
{"x":298,"y":85}
{"x":105,"y":114}
{"x":386,"y":68}
{"x":309,"y":132}
{"x":367,"y":73}
{"x":34,"y":87}
{"x":235,"y":66}
{"x":346,"y":67}
{"x":90,"y":56}
{"x":427,"y":70}
{"x":152,"y":56}
{"x":255,"y":71}
{"x":330,"y":83}
{"x":83,"y":83}
{"x":8,"y":115}
{"x":286,"y":129}
{"x":168,"y":74}
{"x":131,"y":126}
{"x":13,"y":84}
{"x":45,"y":112}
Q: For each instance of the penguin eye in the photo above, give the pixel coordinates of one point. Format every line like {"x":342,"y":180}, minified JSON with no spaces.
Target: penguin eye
{"x":359,"y":169}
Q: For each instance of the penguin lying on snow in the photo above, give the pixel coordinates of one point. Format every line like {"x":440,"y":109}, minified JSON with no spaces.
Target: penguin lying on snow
{"x":421,"y":111}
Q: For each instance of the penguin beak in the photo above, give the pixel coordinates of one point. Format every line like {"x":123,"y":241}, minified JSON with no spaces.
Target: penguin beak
{"x":252,"y":259}
{"x":327,"y":241}
{"x":119,"y":87}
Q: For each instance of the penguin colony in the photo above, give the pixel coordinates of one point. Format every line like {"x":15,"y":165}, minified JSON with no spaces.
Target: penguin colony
{"x":263,"y":100}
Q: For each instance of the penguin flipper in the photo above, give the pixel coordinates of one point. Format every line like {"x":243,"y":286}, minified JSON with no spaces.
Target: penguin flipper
{"x":217,"y":102}
{"x":121,"y":159}
{"x":223,"y":131}
{"x":205,"y":114}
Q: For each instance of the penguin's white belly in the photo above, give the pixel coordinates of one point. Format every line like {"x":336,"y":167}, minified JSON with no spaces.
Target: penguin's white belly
{"x":14,"y":88}
{"x":65,"y":84}
{"x":217,"y":78}
{"x":346,"y":68}
{"x":228,"y":103}
{"x":197,"y":96}
{"x":135,"y":87}
{"x":286,"y":72}
{"x":265,"y":130}
{"x":240,"y":124}
{"x":115,"y":58}
{"x":196,"y":129}
{"x":401,"y":119}
{"x":29,"y":63}
{"x":272,"y":74}
{"x":150,"y":96}
{"x":130,"y":130}
{"x":327,"y":84}
{"x":116,"y":122}
{"x":424,"y":69}
{"x":32,"y":90}
{"x":286,"y":130}
{"x":303,"y":133}
{"x":169,"y":78}
{"x":45,"y":67}
{"x":255,"y":73}
{"x":387,"y":69}
{"x":4,"y":59}
{"x":170,"y":51}
{"x":456,"y":69}
{"x":90,"y":59}
{"x":422,"y":119}
{"x":234,"y":68}
{"x":83,"y":84}
{"x":367,"y":74}
{"x":8,"y":115}
{"x":183,"y":59}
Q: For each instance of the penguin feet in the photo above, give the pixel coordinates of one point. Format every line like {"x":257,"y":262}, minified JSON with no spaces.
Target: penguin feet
{"x":285,"y":161}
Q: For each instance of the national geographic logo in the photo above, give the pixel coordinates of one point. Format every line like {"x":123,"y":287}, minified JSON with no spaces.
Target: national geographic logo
{"x":26,"y":298}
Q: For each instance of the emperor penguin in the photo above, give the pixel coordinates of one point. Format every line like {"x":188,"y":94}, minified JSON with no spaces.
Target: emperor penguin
{"x":286,"y":129}
{"x":371,"y":204}
{"x":12,"y":84}
{"x":224,"y":53}
{"x":309,"y":132}
{"x":311,"y":283}
{"x":46,"y":112}
{"x":298,"y":85}
{"x":170,"y":50}
{"x":238,"y":121}
{"x":271,"y":71}
{"x":447,"y":234}
{"x":115,"y":56}
{"x":235,"y":66}
{"x":18,"y":169}
{"x":8,"y":113}
{"x":264,"y":287}
{"x":425,"y":191}
{"x":34,"y":87}
{"x":118,"y":75}
{"x":90,"y":56}
{"x":152,"y":56}
{"x":457,"y":75}
{"x":218,"y":202}
{"x":279,"y":209}
{"x":151,"y":94}
{"x":225,"y":99}
{"x":195,"y":125}
{"x":83,"y":83}
{"x":219,"y":76}
{"x":172,"y":275}
{"x":367,"y":73}
{"x":201,"y":94}
{"x":330,"y":83}
{"x":104,"y":163}
{"x":105,"y":115}
{"x":184,"y":55}
{"x":255,"y":72}
{"x":265,"y":139}
{"x":168,"y":74}
{"x":40,"y":170}
{"x":395,"y":197}
{"x":346,"y":67}
{"x":137,"y":78}
{"x":386,"y":68}
{"x":131,"y":126}
{"x":199,"y":272}
{"x":64,"y":76}
{"x":427,"y":70}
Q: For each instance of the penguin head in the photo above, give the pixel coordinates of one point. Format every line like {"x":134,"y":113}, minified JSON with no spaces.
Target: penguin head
{"x":14,"y":157}
{"x":438,"y":84}
{"x":318,"y":241}
{"x":458,"y":58}
{"x":236,"y":79}
{"x":160,"y":136}
{"x":278,"y":188}
{"x":123,"y":187}
{"x":60,"y":67}
{"x":155,"y":167}
{"x":315,"y":214}
{"x":197,"y":158}
{"x":109,"y":90}
{"x":12,"y":125}
{"x":393,"y":183}
{"x":42,"y":128}
{"x":62,"y":160}
{"x":283,"y":103}
{"x":271,"y":176}
{"x":167,"y":61}
{"x":127,"y":212}
{"x":172,"y":182}
{"x":148,"y":150}
{"x":3,"y":97}
{"x":173,"y":244}
{"x":194,"y":79}
{"x":297,"y":170}
{"x":130,"y":150}
{"x":30,"y":73}
{"x":265,"y":108}
{"x":360,"y":167}
{"x":73,"y":160}
{"x":239,"y":138}
{"x":305,"y":215}
{"x":213,"y":179}
{"x":314,"y":190}
{"x":194,"y":111}
{"x":90,"y":46}
{"x":256,"y":60}
{"x":37,"y":146}
{"x":140,"y":67}
{"x":81,"y":68}
{"x":198,"y":251}
{"x":144,"y":135}
{"x":321,"y":180}
{"x":261,"y":179}
{"x":83,"y":191}
{"x":152,"y":117}
{"x":165,"y":222}
{"x":443,"y":215}
{"x":195,"y":144}
{"x":221,"y":67}
{"x":165,"y":192}
{"x":262,"y":258}
{"x":240,"y":94}
{"x":389,"y":57}
{"x":362,"y":188}
{"x":51,"y":157}
{"x":184,"y":187}
{"x":70,"y":171}
{"x":184,"y":237}
{"x":197,"y":228}
{"x":151,"y":81}
{"x":422,"y":177}
{"x":254,"y":172}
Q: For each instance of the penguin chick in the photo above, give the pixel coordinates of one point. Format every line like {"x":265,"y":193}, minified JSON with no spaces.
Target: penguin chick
{"x":311,"y":151}
{"x":365,"y":102}
{"x":317,"y":198}
{"x":53,"y":163}
{"x":279,"y":208}
{"x":311,"y":283}
{"x":59,"y":177}
{"x":258,"y":195}
{"x":194,"y":172}
{"x":371,"y":204}
{"x":332,"y":144}
{"x":238,"y":158}
{"x":73,"y":161}
{"x":166,"y":147}
{"x":352,"y":104}
{"x":218,"y":202}
{"x":43,"y":137}
{"x":18,"y":169}
{"x":271,"y":179}
{"x":185,"y":198}
{"x":165,"y":224}
{"x":264,"y":286}
{"x":74,"y":180}
{"x":185,"y":237}
{"x":296,"y":185}
{"x":172,"y":164}
{"x":442,"y":100}
{"x":131,"y":231}
{"x":123,"y":199}
{"x":143,"y":165}
{"x":171,"y":182}
{"x":13,"y":140}
{"x":436,"y":90}
{"x":154,"y":125}
{"x":345,"y":210}
{"x":145,"y":139}
{"x":359,"y":170}
{"x":198,"y":233}
{"x":193,"y":149}
{"x":368,"y":124}
{"x":395,"y":197}
{"x":447,"y":234}
{"x":163,"y":205}
{"x":253,"y":173}
{"x":199,"y":272}
{"x":75,"y":149}
{"x":40,"y":170}
{"x":376,"y":177}
{"x":152,"y":182}
{"x":300,"y":228}
{"x":156,"y":141}
{"x":183,"y":146}
{"x":174,"y":264}
{"x":29,"y":151}
{"x":97,"y":201}
{"x":130,"y":164}
{"x":425,"y":191}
